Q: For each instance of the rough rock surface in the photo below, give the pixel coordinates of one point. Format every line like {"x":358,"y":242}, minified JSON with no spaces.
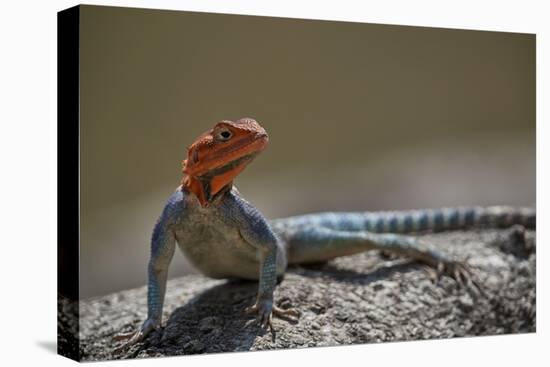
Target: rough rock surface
{"x":365,"y":298}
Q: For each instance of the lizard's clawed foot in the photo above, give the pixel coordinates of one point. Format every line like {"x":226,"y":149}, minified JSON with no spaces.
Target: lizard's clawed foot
{"x":459,"y":271}
{"x":130,"y":338}
{"x":136,"y":336}
{"x":266,"y":310}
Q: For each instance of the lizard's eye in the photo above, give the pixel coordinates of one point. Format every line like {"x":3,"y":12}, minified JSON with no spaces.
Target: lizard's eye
{"x":224,"y":134}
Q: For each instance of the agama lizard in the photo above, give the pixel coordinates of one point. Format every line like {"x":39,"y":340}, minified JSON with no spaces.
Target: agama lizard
{"x":225,"y":236}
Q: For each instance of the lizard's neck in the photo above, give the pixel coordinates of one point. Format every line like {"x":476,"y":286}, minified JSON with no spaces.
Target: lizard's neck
{"x":204,"y":190}
{"x":215,"y":182}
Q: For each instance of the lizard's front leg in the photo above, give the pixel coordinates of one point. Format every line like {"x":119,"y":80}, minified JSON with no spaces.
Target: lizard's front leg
{"x":264,"y":306}
{"x":255,"y":231}
{"x":162,"y":251}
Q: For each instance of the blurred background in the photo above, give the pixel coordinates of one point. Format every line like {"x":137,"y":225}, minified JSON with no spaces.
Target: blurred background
{"x":360,"y":117}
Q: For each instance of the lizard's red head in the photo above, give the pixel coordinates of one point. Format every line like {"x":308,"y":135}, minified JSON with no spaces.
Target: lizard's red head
{"x":220,"y":154}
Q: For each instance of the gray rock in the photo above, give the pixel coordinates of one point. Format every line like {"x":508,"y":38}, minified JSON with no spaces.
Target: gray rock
{"x":366,"y":298}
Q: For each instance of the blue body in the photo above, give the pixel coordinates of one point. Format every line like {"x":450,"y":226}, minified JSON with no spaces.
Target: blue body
{"x":231,"y":238}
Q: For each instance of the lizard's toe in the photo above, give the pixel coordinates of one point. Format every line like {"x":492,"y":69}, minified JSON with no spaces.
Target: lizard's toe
{"x":130,"y":338}
{"x":136,"y":336}
{"x":461,"y":273}
{"x":263,"y":309}
{"x":285,"y":313}
{"x":266,"y":310}
{"x":124,"y":336}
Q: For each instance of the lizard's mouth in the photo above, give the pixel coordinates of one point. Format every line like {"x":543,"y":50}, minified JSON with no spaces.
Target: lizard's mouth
{"x":220,"y":170}
{"x":238,"y":154}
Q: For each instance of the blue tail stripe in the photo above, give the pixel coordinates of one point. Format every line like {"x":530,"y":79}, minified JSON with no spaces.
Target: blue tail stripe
{"x":453,"y":218}
{"x":407,"y":223}
{"x":380,"y":224}
{"x":423,"y":222}
{"x":394,"y":224}
{"x":438,"y":220}
{"x":469,"y":217}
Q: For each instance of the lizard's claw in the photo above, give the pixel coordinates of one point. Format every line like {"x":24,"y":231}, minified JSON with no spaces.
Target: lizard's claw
{"x":284,"y":313}
{"x":136,"y":336}
{"x":266,"y":310}
{"x":459,"y":271}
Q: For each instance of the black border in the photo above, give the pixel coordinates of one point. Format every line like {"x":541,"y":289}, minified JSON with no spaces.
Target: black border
{"x":68,"y":215}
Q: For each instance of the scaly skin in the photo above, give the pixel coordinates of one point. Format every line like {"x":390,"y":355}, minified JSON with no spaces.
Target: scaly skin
{"x":225,"y":236}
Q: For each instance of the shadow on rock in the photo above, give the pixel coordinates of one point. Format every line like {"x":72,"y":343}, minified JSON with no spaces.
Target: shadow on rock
{"x":213,"y":321}
{"x":329,"y":270}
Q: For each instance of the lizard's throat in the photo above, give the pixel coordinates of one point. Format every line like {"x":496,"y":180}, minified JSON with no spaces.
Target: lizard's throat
{"x":211,"y":185}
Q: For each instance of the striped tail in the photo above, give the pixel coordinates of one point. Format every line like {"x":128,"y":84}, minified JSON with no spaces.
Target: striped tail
{"x":445,"y":219}
{"x":409,"y":221}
